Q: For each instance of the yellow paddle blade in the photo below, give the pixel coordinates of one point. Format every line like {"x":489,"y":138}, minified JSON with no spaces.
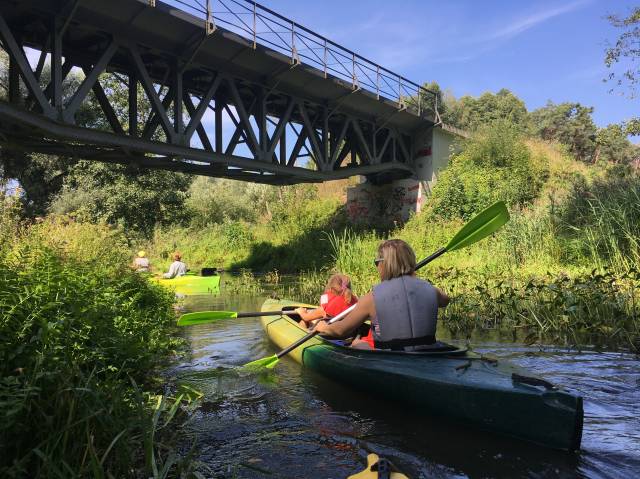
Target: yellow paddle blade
{"x":368,"y":473}
{"x":202,"y":317}
{"x":258,"y":364}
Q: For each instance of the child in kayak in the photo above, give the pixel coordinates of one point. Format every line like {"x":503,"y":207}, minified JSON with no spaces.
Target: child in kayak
{"x":402,"y":308}
{"x":336,"y":298}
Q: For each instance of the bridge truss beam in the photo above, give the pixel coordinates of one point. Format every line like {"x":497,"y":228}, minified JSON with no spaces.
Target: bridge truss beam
{"x":179,"y":114}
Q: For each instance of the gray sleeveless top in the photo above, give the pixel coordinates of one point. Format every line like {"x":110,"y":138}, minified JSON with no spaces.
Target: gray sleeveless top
{"x":406,"y":314}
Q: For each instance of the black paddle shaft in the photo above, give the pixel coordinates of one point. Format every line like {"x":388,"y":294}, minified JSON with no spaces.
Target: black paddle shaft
{"x":293,"y":346}
{"x":265,"y":313}
{"x":429,"y":259}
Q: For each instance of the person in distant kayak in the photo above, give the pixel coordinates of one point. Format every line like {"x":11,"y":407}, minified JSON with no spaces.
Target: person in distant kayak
{"x":177,"y":268}
{"x":403,"y":309}
{"x":336,"y":298}
{"x":141,"y":263}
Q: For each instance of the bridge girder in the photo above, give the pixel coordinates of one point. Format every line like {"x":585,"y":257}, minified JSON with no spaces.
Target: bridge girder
{"x":271,"y":130}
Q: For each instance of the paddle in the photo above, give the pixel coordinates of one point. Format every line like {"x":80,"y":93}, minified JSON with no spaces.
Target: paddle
{"x":482,"y":225}
{"x":202,"y":317}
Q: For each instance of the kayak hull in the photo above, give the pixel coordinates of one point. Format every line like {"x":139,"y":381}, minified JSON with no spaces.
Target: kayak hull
{"x":458,"y":384}
{"x":191,"y":284}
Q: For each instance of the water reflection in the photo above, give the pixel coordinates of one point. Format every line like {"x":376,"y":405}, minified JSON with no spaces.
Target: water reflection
{"x":291,"y":422}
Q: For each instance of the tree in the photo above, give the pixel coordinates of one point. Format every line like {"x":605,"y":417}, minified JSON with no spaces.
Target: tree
{"x":625,"y":54}
{"x":613,"y":146}
{"x":40,"y":176}
{"x":568,"y":123}
{"x":139,"y":200}
{"x":472,"y":113}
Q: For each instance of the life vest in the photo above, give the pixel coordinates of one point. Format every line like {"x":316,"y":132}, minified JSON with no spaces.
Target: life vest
{"x":406,"y":314}
{"x":326,"y":298}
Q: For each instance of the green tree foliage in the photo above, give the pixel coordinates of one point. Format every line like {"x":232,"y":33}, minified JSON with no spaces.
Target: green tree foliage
{"x":214,"y":200}
{"x":568,"y":123}
{"x":624,"y":55}
{"x":613,"y":146}
{"x":138,"y":200}
{"x":472,"y":113}
{"x":495,"y":165}
{"x":40,"y":176}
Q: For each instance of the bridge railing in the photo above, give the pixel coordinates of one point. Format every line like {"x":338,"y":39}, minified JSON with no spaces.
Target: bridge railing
{"x":263,"y":26}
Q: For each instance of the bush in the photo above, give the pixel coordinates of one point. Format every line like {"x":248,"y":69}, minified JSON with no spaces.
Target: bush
{"x":214,"y":200}
{"x":495,"y":165}
{"x":136,"y":200}
{"x":82,"y":337}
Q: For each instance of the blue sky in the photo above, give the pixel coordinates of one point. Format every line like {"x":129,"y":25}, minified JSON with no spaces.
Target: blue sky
{"x":540,"y":50}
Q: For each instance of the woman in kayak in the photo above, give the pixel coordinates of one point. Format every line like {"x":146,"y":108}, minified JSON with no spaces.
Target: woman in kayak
{"x":336,"y":298}
{"x":177,"y":268}
{"x":402,"y":308}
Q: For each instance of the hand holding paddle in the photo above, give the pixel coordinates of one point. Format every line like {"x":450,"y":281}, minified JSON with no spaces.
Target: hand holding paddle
{"x":482,"y":225}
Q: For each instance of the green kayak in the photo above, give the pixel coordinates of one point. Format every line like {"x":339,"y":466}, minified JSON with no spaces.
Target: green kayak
{"x":191,"y":284}
{"x":488,"y":393}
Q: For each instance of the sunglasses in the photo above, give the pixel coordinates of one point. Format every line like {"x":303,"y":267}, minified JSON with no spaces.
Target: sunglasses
{"x":377,"y":261}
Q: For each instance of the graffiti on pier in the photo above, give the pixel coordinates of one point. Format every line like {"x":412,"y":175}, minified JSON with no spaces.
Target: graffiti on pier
{"x":385,"y":205}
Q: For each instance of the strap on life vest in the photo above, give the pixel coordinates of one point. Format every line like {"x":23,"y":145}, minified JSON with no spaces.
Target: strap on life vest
{"x":400,"y":344}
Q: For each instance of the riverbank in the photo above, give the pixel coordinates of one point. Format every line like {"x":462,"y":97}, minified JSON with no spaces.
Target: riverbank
{"x":564,"y":269}
{"x":84,"y":343}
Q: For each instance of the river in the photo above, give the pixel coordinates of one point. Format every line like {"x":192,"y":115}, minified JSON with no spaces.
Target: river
{"x":293,"y":423}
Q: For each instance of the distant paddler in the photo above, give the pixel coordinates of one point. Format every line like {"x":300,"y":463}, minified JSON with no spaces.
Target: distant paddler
{"x":141,"y":263}
{"x":177,"y":268}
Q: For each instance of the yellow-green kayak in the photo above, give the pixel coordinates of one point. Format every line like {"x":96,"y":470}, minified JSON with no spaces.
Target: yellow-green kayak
{"x":191,"y":284}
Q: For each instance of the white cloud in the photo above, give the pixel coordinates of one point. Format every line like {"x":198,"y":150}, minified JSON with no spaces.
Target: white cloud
{"x":521,"y":25}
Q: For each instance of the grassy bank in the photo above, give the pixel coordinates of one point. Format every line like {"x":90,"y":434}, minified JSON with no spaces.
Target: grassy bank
{"x":84,"y":340}
{"x":564,"y":269}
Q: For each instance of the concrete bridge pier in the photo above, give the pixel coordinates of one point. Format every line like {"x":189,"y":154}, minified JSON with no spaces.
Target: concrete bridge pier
{"x":393,"y":203}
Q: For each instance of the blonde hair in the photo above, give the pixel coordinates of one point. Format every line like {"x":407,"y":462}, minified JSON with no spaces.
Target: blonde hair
{"x":177,"y":256}
{"x":398,"y":259}
{"x":340,"y":284}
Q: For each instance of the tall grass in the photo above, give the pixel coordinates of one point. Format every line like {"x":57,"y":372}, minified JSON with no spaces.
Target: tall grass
{"x":83,"y":340}
{"x":603,"y":218}
{"x":556,"y":272}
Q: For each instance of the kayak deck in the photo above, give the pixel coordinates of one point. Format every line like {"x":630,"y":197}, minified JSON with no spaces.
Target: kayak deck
{"x":492,"y":394}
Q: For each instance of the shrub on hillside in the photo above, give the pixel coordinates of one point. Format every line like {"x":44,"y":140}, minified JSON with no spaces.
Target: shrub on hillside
{"x":495,"y":165}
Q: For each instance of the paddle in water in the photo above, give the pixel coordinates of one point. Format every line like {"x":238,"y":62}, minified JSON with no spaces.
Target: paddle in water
{"x":482,"y":225}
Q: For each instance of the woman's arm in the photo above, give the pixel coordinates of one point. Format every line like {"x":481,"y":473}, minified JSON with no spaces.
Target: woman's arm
{"x":364,"y":309}
{"x":443,"y":298}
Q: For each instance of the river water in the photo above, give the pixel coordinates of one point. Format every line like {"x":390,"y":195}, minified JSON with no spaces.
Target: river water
{"x":293,"y":423}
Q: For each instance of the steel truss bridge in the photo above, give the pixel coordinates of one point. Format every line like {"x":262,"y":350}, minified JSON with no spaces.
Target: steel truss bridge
{"x":231,"y":88}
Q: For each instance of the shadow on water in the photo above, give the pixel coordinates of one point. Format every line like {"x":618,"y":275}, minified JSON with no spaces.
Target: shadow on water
{"x":291,"y":422}
{"x":428,"y":446}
